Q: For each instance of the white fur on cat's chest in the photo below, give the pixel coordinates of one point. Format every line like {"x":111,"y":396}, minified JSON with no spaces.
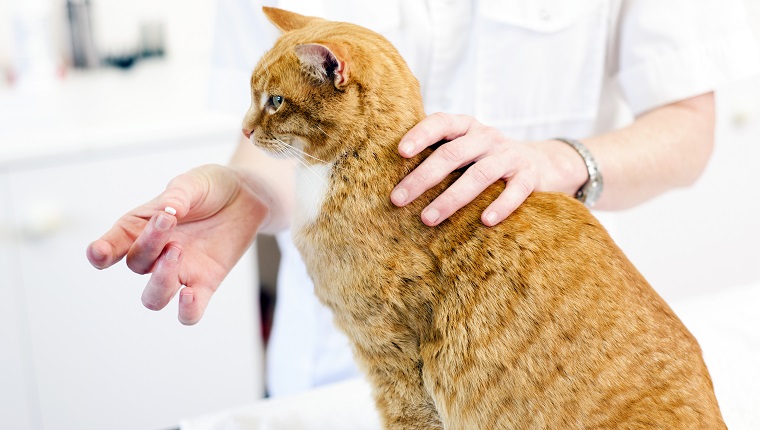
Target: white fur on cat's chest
{"x":312,"y":184}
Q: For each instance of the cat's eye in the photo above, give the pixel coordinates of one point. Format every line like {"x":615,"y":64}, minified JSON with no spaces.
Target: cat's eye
{"x":276,"y":101}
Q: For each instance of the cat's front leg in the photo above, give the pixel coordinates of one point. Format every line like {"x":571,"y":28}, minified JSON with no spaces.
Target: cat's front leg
{"x":401,"y":399}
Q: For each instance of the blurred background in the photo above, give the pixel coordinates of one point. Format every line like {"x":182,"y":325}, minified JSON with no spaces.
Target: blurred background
{"x":101,"y":103}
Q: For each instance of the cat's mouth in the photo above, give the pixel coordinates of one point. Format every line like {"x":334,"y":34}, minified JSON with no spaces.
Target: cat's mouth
{"x":286,"y":146}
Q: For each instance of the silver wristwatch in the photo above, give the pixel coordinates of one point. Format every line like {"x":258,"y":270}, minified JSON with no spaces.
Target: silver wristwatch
{"x":590,"y":191}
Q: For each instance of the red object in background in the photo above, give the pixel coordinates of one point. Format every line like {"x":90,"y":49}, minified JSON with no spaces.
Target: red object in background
{"x":11,"y":76}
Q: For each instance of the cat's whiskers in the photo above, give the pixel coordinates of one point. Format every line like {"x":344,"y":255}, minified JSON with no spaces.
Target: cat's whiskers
{"x":296,"y":151}
{"x":300,"y":151}
{"x":288,"y":149}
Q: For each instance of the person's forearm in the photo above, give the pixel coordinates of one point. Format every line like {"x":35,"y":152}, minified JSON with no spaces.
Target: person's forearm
{"x":663,"y":149}
{"x":270,"y":178}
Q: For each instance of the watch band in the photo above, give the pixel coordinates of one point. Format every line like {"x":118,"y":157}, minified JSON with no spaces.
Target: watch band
{"x":590,"y":191}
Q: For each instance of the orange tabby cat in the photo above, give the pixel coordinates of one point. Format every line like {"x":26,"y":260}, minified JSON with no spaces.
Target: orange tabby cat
{"x":538,"y":323}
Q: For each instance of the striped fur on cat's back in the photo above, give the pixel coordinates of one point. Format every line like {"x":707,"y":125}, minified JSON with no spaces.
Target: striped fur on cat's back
{"x":537,"y":323}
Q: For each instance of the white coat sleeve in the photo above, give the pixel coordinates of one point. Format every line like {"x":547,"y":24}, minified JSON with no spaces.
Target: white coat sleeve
{"x":242,"y":35}
{"x":672,"y":50}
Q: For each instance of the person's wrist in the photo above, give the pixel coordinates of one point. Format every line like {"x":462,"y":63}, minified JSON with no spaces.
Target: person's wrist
{"x":589,"y":192}
{"x":565,"y":172}
{"x":266,"y":207}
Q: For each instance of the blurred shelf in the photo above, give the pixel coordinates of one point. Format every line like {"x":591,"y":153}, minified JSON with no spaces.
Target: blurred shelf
{"x":156,"y":102}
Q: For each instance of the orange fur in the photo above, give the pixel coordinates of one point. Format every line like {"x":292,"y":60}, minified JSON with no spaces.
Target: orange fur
{"x":539,"y":322}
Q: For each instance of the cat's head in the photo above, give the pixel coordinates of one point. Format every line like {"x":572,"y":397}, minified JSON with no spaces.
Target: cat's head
{"x":325,"y":87}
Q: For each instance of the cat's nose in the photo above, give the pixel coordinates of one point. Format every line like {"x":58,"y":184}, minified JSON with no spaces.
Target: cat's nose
{"x":247,"y":132}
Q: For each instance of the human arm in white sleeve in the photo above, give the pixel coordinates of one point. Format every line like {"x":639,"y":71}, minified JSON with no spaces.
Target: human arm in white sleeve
{"x":668,"y":58}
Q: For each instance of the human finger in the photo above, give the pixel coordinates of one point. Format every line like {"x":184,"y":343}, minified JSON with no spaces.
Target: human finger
{"x":115,"y":243}
{"x":464,"y":190}
{"x":164,"y":282}
{"x":433,"y":129}
{"x":150,"y":243}
{"x":192,"y":303}
{"x":100,"y":254}
{"x":444,"y":160}
{"x":518,"y":188}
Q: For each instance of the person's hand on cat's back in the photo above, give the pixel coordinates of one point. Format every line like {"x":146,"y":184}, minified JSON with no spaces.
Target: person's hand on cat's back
{"x":525,"y":167}
{"x":217,"y":217}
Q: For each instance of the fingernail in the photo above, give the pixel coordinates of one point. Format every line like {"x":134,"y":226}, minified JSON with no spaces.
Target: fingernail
{"x":185,"y":298}
{"x":431,"y":215}
{"x":406,"y":148}
{"x":98,"y":257}
{"x":172,"y":254}
{"x":163,"y":222}
{"x":491,"y":217}
{"x":399,"y":196}
{"x":96,"y":254}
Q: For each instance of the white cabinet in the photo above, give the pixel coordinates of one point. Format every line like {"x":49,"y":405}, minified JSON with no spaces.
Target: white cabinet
{"x":78,"y":349}
{"x":16,"y":388}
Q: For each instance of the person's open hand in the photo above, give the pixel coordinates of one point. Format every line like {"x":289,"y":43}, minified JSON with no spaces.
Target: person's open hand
{"x":217,"y":217}
{"x":495,"y":158}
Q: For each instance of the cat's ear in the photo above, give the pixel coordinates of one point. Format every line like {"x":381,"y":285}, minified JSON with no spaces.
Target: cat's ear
{"x":324,"y":61}
{"x":286,"y":20}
